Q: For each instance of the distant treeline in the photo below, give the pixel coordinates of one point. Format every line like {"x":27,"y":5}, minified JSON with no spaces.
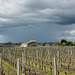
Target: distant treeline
{"x":63,"y":42}
{"x":9,"y":44}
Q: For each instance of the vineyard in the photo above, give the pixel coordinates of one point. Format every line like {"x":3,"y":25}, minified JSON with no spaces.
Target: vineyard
{"x":54,"y":60}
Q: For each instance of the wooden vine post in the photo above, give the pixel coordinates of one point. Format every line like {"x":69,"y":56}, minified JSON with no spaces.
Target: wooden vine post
{"x":58,"y":56}
{"x":37,"y":55}
{"x":18,"y":67}
{"x":42,"y":59}
{"x":72,"y":57}
{"x":25,"y":53}
{"x":0,"y":64}
{"x":22,"y":62}
{"x":55,"y":67}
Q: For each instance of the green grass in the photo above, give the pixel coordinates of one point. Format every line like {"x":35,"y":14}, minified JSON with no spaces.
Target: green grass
{"x":8,"y":66}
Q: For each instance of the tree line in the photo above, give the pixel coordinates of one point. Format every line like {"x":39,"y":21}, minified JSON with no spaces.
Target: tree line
{"x":63,"y":42}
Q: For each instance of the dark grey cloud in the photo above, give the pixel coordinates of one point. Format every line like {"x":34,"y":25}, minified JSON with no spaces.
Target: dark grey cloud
{"x":36,"y":11}
{"x":33,"y":18}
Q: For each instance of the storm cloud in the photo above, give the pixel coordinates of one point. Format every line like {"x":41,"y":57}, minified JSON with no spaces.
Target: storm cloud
{"x":15,"y":14}
{"x":36,"y":11}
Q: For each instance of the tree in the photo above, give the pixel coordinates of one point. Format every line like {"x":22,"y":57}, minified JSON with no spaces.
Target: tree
{"x":43,"y":44}
{"x":69,"y":43}
{"x":9,"y":43}
{"x":19,"y":43}
{"x":50,"y":43}
{"x":63,"y":41}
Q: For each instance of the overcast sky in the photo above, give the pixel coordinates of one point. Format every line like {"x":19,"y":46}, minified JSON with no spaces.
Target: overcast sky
{"x":40,"y":20}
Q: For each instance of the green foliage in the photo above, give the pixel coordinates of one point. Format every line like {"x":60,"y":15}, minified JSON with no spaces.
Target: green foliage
{"x":63,"y":44}
{"x":8,"y":65}
{"x":19,"y":43}
{"x":66,"y":43}
{"x":69,"y":44}
{"x":73,"y":44}
{"x":8,"y":43}
{"x":50,"y":43}
{"x":43,"y":44}
{"x":63,"y":41}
